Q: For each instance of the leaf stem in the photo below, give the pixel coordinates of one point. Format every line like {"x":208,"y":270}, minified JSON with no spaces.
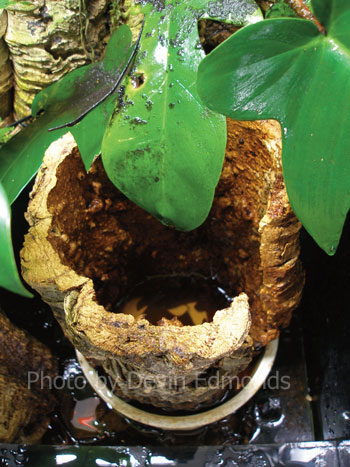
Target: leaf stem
{"x":303,"y":11}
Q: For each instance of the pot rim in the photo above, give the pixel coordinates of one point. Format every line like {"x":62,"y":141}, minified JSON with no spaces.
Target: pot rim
{"x":184,"y":422}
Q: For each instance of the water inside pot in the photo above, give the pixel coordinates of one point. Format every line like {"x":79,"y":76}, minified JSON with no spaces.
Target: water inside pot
{"x":175,"y":300}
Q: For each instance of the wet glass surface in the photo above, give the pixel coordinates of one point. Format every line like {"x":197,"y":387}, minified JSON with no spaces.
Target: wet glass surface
{"x":321,"y":454}
{"x":326,"y":333}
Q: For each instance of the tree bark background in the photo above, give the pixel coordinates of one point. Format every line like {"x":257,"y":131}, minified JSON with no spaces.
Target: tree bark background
{"x":42,"y":42}
{"x":24,"y":407}
{"x":39,"y":44}
{"x":6,"y":76}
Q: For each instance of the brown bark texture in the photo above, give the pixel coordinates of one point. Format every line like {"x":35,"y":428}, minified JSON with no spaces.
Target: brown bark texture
{"x":47,"y":39}
{"x":25,"y":403}
{"x":6,"y":78}
{"x":88,"y":246}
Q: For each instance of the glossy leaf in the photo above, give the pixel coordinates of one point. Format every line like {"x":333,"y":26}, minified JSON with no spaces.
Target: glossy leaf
{"x":163,"y":148}
{"x":286,"y":70}
{"x":3,"y":132}
{"x":7,"y":3}
{"x":72,"y":98}
{"x":8,"y":269}
{"x":82,"y":90}
{"x":62,"y":102}
{"x":280,"y":9}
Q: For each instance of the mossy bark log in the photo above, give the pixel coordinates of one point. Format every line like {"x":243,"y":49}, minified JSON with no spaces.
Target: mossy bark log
{"x":87,"y":241}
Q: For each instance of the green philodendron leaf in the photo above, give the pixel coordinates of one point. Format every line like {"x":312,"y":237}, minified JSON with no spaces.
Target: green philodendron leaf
{"x":66,"y":101}
{"x":286,"y":70}
{"x":80,"y":91}
{"x":62,"y":102}
{"x":73,"y":97}
{"x":7,"y":3}
{"x":280,"y":9}
{"x":163,"y":148}
{"x":8,"y":269}
{"x":283,"y":9}
{"x":3,"y":132}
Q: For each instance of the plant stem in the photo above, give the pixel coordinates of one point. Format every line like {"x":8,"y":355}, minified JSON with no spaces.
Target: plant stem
{"x":303,"y":11}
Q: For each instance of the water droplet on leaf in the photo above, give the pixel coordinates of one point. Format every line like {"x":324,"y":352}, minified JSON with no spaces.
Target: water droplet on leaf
{"x":149,"y":104}
{"x":138,"y":121}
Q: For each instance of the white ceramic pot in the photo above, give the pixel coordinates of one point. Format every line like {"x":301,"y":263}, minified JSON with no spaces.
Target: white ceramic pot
{"x":184,"y":422}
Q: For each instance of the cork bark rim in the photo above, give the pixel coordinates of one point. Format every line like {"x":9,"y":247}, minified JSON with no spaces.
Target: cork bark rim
{"x":186,"y":422}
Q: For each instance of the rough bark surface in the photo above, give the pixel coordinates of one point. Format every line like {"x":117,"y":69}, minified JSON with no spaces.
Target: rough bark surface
{"x":24,"y":407}
{"x":122,"y":344}
{"x":6,"y":78}
{"x":87,"y":241}
{"x":49,"y":38}
{"x":265,"y":259}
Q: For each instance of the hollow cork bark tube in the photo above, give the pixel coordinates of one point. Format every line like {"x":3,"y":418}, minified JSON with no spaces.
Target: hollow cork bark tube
{"x":86,"y":243}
